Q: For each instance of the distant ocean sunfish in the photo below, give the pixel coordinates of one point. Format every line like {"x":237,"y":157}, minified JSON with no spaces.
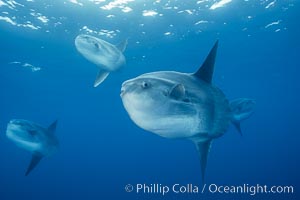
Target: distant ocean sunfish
{"x":106,"y":56}
{"x":182,"y":105}
{"x":34,"y":138}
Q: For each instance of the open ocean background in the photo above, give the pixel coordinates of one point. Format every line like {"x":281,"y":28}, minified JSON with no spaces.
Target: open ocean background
{"x":44,"y":78}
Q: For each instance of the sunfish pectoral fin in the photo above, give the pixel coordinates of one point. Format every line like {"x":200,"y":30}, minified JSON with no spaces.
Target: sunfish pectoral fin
{"x":177,"y":92}
{"x":33,"y":163}
{"x":205,"y":72}
{"x":203,"y":148}
{"x":122,"y":45}
{"x":101,"y":76}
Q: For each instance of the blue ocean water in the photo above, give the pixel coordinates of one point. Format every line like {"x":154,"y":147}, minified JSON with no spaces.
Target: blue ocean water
{"x":44,"y":78}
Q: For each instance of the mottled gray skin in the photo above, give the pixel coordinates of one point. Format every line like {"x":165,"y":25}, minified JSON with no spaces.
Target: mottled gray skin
{"x":202,"y":113}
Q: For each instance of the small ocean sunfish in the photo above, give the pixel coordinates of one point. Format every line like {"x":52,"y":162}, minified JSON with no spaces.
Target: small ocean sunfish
{"x":106,"y":56}
{"x":32,"y":137}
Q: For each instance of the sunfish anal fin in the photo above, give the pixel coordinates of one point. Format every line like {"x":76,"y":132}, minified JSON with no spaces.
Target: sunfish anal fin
{"x":203,"y":148}
{"x":237,"y":125}
{"x":122,"y":45}
{"x":33,"y":163}
{"x":205,"y":72}
{"x":101,"y":76}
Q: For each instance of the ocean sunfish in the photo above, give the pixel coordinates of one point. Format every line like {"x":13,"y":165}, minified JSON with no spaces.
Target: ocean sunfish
{"x":184,"y":105}
{"x":106,"y":56}
{"x":34,"y":138}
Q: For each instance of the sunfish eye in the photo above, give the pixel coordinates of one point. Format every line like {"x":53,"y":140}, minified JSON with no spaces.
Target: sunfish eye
{"x":145,"y":85}
{"x":186,"y":100}
{"x":32,"y":132}
{"x":96,"y":45}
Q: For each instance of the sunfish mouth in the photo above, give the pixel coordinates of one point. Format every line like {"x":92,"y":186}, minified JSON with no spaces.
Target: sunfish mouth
{"x":122,"y":93}
{"x":124,"y":88}
{"x":13,"y":121}
{"x":12,"y":125}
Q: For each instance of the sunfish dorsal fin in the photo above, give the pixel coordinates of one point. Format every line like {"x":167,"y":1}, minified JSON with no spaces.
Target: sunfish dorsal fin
{"x":52,"y":127}
{"x":205,"y":72}
{"x":33,"y":163}
{"x":122,"y":45}
{"x":101,"y":76}
{"x":203,"y":148}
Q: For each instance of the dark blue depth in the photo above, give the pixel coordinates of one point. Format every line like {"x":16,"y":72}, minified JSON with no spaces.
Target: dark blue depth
{"x":102,"y":150}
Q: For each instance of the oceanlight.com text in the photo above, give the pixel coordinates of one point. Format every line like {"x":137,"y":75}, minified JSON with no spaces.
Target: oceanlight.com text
{"x":176,"y":188}
{"x":249,"y":189}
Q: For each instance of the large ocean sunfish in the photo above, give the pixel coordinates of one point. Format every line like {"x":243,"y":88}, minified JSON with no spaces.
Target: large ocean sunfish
{"x":34,"y":138}
{"x":184,"y":105}
{"x":106,"y":56}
